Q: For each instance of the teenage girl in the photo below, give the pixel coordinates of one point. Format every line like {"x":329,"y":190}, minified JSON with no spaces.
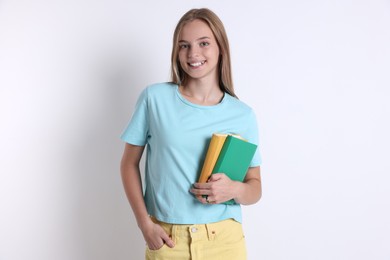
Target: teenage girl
{"x":175,"y":121}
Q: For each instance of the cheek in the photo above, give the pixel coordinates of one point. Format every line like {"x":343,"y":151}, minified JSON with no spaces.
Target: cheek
{"x":182,"y":57}
{"x":212,"y":52}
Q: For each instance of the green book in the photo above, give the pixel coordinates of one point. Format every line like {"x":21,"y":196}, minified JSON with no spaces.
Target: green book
{"x":234,"y":159}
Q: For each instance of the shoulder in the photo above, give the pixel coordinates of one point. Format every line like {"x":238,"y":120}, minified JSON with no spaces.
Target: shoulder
{"x":238,"y":104}
{"x":160,"y":88}
{"x":240,"y":109}
{"x":157,"y":91}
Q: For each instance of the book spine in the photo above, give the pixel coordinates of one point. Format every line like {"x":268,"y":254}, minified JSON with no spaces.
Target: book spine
{"x":215,"y":146}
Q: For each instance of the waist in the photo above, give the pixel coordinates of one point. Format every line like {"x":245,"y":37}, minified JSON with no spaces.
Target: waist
{"x":209,"y":230}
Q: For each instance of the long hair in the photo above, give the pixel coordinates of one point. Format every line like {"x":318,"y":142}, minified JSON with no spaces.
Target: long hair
{"x":178,"y":76}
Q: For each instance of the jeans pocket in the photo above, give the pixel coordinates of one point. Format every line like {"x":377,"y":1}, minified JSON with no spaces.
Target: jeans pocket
{"x":156,"y":250}
{"x":231,"y":233}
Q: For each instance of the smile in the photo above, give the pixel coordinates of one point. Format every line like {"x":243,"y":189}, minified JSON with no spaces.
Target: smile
{"x":197,"y":64}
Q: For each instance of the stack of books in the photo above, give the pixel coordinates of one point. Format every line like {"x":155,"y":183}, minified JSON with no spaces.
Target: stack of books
{"x":229,"y":154}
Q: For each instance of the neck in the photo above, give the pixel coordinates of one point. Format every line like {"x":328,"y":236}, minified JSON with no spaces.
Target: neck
{"x":202,"y":92}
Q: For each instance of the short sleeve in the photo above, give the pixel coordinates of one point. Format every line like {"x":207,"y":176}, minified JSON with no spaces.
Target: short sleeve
{"x":253,"y":137}
{"x":137,"y":130}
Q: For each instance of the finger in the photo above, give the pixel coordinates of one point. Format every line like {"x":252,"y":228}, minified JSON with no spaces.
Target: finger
{"x":210,"y":201}
{"x":168,"y":241}
{"x":198,"y":185}
{"x":200,"y":193}
{"x":154,"y":246}
{"x":200,"y":198}
{"x":216,"y":176}
{"x":207,"y":200}
{"x":197,"y":191}
{"x":155,"y":243}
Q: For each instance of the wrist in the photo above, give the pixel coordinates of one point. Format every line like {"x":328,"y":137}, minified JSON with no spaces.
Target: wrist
{"x":144,"y":223}
{"x":237,"y":190}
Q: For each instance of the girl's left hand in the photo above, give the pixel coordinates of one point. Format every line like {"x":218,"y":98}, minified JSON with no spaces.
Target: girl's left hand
{"x":218,"y":189}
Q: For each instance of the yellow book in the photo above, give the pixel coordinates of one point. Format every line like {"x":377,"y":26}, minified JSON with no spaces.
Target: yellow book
{"x":215,"y":146}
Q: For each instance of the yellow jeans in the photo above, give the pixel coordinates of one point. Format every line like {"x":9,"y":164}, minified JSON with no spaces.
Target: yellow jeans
{"x":222,"y":240}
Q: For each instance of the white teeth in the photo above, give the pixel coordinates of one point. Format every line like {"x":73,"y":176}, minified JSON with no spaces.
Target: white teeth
{"x":196,"y":64}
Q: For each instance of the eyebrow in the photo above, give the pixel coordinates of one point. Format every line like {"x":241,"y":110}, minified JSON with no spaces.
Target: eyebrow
{"x":201,"y":38}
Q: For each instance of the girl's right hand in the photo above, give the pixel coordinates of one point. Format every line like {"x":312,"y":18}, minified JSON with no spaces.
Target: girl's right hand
{"x":155,"y":236}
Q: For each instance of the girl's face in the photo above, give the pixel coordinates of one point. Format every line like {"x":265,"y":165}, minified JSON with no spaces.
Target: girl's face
{"x":198,"y":51}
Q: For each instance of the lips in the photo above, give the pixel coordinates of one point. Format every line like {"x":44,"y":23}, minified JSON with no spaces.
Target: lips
{"x":196,"y":64}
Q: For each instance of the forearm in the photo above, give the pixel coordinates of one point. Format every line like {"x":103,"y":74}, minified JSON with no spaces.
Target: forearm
{"x":249,"y":191}
{"x":133,"y":188}
{"x":153,"y":234}
{"x":131,"y":179}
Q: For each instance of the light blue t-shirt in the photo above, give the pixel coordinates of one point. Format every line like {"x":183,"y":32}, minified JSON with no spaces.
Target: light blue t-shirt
{"x":177,"y":133}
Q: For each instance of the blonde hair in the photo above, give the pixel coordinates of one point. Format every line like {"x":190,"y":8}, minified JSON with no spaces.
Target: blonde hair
{"x":178,"y":76}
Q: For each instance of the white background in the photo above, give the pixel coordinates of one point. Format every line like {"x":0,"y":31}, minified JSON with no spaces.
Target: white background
{"x":316,"y":73}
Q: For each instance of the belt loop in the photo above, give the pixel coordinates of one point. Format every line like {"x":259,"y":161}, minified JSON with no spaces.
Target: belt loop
{"x":211,"y":232}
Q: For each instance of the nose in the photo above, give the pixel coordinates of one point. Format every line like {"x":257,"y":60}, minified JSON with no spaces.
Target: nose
{"x":193,"y":51}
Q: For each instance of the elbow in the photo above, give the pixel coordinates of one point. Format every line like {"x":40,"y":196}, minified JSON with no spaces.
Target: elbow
{"x":259,"y":197}
{"x":254,"y":195}
{"x":253,"y":200}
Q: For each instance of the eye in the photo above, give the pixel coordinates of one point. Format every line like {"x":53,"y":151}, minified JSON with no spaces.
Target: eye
{"x":183,"y":46}
{"x":204,"y":44}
